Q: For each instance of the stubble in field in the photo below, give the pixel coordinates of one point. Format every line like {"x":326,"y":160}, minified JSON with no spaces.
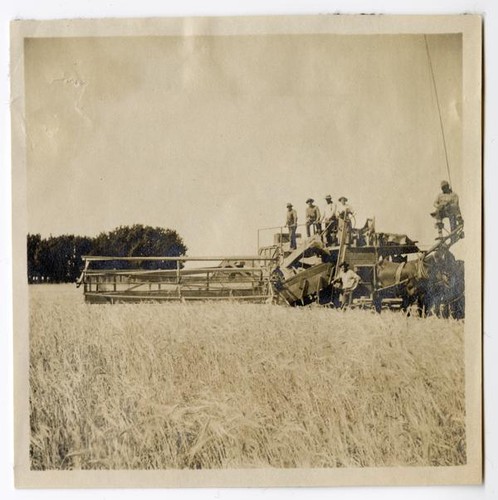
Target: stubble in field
{"x":157,"y":386}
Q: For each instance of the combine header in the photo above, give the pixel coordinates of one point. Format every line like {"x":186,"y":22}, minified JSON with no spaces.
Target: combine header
{"x":120,"y":279}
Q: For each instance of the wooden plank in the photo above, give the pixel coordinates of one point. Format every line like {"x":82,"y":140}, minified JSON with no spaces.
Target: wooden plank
{"x":95,"y":258}
{"x":173,"y":272}
{"x":184,"y":279}
{"x":163,"y":298}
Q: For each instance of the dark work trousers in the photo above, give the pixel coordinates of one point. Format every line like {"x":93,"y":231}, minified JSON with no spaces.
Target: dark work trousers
{"x":292,"y":237}
{"x":331,"y":230}
{"x":317,"y":228}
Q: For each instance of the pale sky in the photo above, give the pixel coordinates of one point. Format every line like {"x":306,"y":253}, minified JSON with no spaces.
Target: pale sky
{"x":212,"y":136}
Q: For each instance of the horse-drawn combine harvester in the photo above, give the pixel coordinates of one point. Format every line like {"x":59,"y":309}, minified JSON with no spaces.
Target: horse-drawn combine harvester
{"x":394,"y":273}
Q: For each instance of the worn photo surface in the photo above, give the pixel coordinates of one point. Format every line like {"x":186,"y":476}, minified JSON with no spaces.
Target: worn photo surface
{"x":248,"y":251}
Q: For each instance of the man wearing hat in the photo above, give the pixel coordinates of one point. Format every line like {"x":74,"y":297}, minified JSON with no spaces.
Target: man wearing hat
{"x":343,"y":209}
{"x":329,"y":220}
{"x":447,"y":205}
{"x":291,"y":223}
{"x":312,"y":217}
{"x":346,"y":282}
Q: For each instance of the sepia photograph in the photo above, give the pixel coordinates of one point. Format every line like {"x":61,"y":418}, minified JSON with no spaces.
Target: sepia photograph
{"x":247,"y":251}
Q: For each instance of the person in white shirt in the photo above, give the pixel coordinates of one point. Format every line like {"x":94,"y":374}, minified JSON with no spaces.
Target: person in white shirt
{"x":329,"y":220}
{"x":343,"y":209}
{"x":345,"y":212}
{"x":346,"y":282}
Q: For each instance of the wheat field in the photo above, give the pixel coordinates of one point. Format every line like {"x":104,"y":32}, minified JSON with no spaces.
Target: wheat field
{"x":228,"y":385}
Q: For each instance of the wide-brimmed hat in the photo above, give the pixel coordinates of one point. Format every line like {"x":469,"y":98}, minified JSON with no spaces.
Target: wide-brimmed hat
{"x":444,"y":183}
{"x":289,"y":205}
{"x":343,"y":198}
{"x":328,"y":197}
{"x":310,"y":200}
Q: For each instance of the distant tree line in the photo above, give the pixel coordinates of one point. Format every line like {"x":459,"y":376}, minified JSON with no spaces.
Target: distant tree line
{"x":57,"y":259}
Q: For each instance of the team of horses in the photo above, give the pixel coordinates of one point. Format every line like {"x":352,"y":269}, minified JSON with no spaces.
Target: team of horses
{"x":434,"y":284}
